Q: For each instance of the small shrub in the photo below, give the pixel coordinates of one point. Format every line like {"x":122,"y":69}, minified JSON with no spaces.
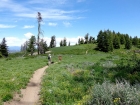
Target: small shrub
{"x":121,"y":93}
{"x":7,"y":97}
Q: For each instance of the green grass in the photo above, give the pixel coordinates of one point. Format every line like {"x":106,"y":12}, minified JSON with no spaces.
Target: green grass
{"x":15,"y":74}
{"x":66,"y":82}
{"x":76,"y":49}
{"x":73,"y":80}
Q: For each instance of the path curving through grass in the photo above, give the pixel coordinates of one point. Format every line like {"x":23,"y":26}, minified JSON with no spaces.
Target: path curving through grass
{"x":30,"y":95}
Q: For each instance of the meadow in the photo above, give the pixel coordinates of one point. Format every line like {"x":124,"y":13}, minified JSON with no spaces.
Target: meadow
{"x":15,"y":74}
{"x":92,"y":78}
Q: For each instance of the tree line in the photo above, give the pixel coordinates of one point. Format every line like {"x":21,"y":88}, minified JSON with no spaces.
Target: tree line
{"x":108,"y":40}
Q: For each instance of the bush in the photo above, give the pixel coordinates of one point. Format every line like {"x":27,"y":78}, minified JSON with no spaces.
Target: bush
{"x":121,"y":93}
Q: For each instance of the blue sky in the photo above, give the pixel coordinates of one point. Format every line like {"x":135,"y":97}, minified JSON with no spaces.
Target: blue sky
{"x":67,"y":18}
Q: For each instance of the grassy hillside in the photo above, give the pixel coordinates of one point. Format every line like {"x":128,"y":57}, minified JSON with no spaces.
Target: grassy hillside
{"x":83,"y":77}
{"x":74,"y":80}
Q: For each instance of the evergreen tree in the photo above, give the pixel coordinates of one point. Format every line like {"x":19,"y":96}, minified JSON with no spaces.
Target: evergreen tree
{"x":116,"y":42}
{"x":91,"y":39}
{"x":4,"y":48}
{"x":122,"y":38}
{"x":86,"y":38}
{"x":108,"y":41}
{"x":69,"y":44}
{"x":31,"y":45}
{"x":61,"y":43}
{"x":82,"y":41}
{"x":128,"y":43}
{"x":104,"y":40}
{"x":65,"y":42}
{"x":43,"y":46}
{"x":79,"y":41}
{"x":135,"y":41}
{"x":53,"y":42}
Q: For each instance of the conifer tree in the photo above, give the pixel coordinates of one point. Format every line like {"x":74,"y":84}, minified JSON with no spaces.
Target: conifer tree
{"x":31,"y":45}
{"x":82,"y":41}
{"x":79,"y":41}
{"x":122,"y":39}
{"x":116,"y":42}
{"x":69,"y":44}
{"x":128,"y":43}
{"x":86,"y":38}
{"x":135,"y":41}
{"x":4,"y":48}
{"x":53,"y":42}
{"x":64,"y":42}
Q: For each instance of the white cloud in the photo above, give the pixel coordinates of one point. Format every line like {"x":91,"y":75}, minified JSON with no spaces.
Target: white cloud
{"x":81,"y":0}
{"x":7,"y":26}
{"x":52,"y":24}
{"x":12,"y":6}
{"x":28,"y":35}
{"x":67,"y":24}
{"x":27,"y":26}
{"x":52,"y":2}
{"x":14,"y":41}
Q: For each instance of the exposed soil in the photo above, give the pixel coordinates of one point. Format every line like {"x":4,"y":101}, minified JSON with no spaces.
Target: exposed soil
{"x":30,"y":95}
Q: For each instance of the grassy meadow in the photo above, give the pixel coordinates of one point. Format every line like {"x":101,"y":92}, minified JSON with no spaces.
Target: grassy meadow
{"x":16,"y":72}
{"x":83,"y":77}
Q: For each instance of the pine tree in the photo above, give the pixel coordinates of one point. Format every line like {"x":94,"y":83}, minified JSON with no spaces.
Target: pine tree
{"x":4,"y":48}
{"x":64,"y":42}
{"x":100,"y":40}
{"x":122,"y":39}
{"x":69,"y":44}
{"x":116,"y":42}
{"x":79,"y":41}
{"x":43,"y":46}
{"x":104,"y":40}
{"x":86,"y":38}
{"x":91,"y":39}
{"x":31,"y":45}
{"x":61,"y":43}
{"x":53,"y":42}
{"x":128,"y":43}
{"x":135,"y":41}
{"x":82,"y":41}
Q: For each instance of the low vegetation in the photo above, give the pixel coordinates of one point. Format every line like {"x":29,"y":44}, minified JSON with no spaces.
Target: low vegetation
{"x":16,"y":72}
{"x":84,"y":76}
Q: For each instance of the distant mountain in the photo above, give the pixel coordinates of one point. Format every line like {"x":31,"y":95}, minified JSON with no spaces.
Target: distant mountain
{"x":13,"y":49}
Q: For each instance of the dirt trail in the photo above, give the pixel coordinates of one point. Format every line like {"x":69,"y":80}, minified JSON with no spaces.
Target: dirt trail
{"x":30,"y":95}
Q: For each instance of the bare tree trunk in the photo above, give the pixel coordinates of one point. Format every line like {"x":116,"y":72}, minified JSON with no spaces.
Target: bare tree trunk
{"x":38,"y":37}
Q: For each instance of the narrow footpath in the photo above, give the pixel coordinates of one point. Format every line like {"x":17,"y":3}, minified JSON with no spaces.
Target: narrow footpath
{"x":30,"y":95}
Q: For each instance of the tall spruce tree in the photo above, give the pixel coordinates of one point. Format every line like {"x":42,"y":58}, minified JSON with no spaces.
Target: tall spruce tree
{"x":122,"y":38}
{"x":31,"y":45}
{"x":82,"y":41}
{"x":100,"y":40}
{"x":64,"y":42}
{"x":91,"y":39}
{"x":116,"y":42}
{"x":86,"y":38}
{"x":128,"y":43}
{"x":135,"y":41}
{"x":4,"y":48}
{"x":104,"y":40}
{"x":53,"y":42}
{"x":79,"y":41}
